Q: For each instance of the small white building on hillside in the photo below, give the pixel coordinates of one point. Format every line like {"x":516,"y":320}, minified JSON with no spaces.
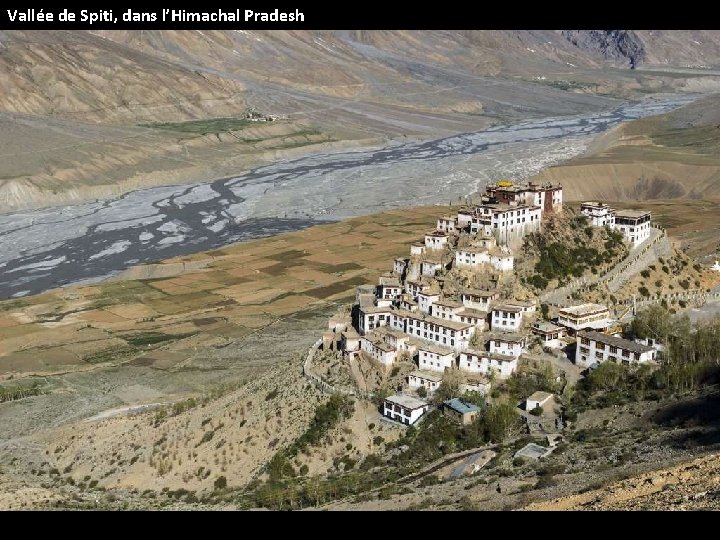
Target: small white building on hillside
{"x":436,"y":240}
{"x":538,"y":399}
{"x":404,"y":409}
{"x":417,"y":249}
{"x":435,"y":358}
{"x":472,"y":316}
{"x":506,"y":318}
{"x":447,"y":224}
{"x":599,"y":214}
{"x":400,"y":265}
{"x":378,"y":349}
{"x":550,"y":334}
{"x":372,"y":317}
{"x":594,"y":348}
{"x":634,"y":225}
{"x":486,"y":363}
{"x":426,"y":299}
{"x":446,"y":309}
{"x":499,"y":258}
{"x":478,"y":299}
{"x":349,"y":341}
{"x":507,"y":344}
{"x":430,"y":267}
{"x":430,"y":380}
{"x":389,"y":288}
{"x":584,"y":316}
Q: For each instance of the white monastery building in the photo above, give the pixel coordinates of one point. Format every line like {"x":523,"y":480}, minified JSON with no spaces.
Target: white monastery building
{"x":594,"y":348}
{"x":634,"y":225}
{"x":599,"y":214}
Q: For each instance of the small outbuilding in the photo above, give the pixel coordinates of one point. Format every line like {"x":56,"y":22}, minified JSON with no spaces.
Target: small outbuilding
{"x":462,"y":411}
{"x":538,"y":399}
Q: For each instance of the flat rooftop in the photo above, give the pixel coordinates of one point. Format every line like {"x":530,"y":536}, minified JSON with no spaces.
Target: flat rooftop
{"x":583,"y":310}
{"x":632,"y":214}
{"x":547,"y":327}
{"x":460,"y":406}
{"x":435,"y":349}
{"x":447,"y":323}
{"x":491,"y":356}
{"x":389,"y":281}
{"x":507,"y":336}
{"x":533,"y":451}
{"x":540,"y":396}
{"x":433,"y":376}
{"x":620,"y":343}
{"x":479,"y":292}
{"x":470,"y":312}
{"x":408,"y":402}
{"x":508,"y":308}
{"x":448,"y":302}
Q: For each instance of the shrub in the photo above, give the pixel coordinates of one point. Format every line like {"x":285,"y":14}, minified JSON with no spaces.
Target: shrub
{"x":545,"y":481}
{"x":271,"y":395}
{"x":422,"y":392}
{"x":645,"y":273}
{"x":220,"y":482}
{"x":643,"y":291}
{"x":537,"y":411}
{"x":518,"y":461}
{"x":429,"y":480}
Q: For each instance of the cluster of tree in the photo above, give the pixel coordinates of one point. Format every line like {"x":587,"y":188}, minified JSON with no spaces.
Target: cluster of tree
{"x":691,"y":359}
{"x":326,"y":417}
{"x":19,"y":392}
{"x":571,"y":257}
{"x":439,"y":435}
{"x":526,"y":381}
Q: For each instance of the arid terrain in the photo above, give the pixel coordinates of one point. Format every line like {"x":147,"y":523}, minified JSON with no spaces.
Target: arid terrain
{"x":88,"y":104}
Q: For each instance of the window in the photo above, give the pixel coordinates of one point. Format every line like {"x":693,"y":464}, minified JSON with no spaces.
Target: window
{"x":613,"y":349}
{"x":625,"y":353}
{"x":585,"y":341}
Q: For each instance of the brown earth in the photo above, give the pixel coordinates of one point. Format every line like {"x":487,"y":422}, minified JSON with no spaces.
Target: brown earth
{"x":73,"y":104}
{"x":670,"y":156}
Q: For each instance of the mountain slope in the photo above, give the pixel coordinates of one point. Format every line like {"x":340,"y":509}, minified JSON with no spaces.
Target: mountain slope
{"x":670,"y":156}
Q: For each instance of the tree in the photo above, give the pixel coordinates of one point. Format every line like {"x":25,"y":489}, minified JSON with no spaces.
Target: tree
{"x":654,"y":322}
{"x":422,"y":392}
{"x":449,"y":387}
{"x":545,"y":311}
{"x":501,"y":420}
{"x":220,"y":482}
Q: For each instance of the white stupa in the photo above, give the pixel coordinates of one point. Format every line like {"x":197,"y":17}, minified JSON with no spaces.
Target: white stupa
{"x":716,"y":266}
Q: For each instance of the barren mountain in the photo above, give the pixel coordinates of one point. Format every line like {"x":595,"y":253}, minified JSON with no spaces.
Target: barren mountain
{"x":79,"y":110}
{"x":670,"y":156}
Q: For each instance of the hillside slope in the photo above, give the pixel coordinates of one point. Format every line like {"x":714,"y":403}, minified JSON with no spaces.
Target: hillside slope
{"x":671,"y":156}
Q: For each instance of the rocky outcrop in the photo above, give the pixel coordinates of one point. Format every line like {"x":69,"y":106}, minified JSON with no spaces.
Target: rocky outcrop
{"x":622,"y":47}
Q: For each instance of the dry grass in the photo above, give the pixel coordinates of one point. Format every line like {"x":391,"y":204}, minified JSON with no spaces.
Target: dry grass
{"x":233,"y":292}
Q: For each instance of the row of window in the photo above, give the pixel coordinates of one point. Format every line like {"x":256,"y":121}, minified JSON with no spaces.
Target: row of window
{"x":600,"y":348}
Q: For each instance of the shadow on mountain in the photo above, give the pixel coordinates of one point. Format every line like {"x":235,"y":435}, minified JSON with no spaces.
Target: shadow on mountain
{"x":696,"y":421}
